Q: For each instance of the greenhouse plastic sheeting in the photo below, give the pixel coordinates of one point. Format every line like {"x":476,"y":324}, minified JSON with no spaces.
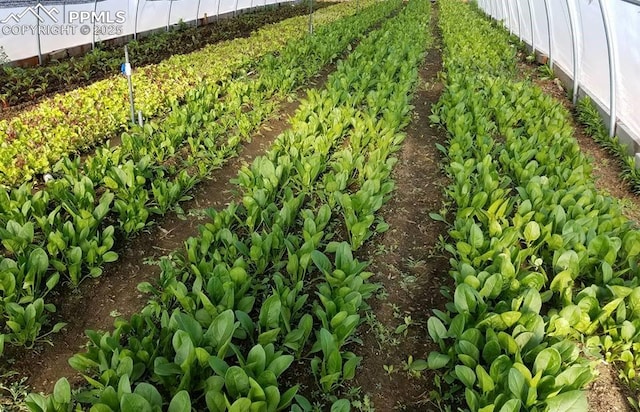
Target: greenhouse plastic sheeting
{"x":60,"y":24}
{"x":562,"y":43}
{"x":626,"y":19}
{"x":594,"y":66}
{"x":592,"y":51}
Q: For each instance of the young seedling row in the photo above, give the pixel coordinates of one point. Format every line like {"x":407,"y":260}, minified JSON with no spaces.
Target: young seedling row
{"x":545,"y":268}
{"x":66,"y":231}
{"x":268,"y":279}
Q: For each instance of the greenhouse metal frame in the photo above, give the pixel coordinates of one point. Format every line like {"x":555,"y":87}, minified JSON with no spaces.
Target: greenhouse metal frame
{"x":592,"y":45}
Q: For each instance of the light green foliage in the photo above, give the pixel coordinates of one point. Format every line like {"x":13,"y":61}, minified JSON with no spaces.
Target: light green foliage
{"x":530,"y":230}
{"x":263,"y":284}
{"x":147,"y":175}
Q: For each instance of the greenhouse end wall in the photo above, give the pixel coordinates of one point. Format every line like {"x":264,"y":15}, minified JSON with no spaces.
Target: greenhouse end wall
{"x":33,"y":32}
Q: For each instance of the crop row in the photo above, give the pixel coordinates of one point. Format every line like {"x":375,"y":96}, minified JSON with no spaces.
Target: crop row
{"x":66,"y":231}
{"x":540,"y":261}
{"x":77,"y":120}
{"x":231,"y":313}
{"x":19,"y":85}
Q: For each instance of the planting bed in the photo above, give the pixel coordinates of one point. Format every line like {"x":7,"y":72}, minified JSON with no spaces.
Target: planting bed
{"x":393,"y":238}
{"x":22,"y":87}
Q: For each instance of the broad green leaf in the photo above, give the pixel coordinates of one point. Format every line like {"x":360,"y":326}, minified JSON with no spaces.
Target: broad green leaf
{"x":531,"y":232}
{"x":62,"y":391}
{"x":181,"y":402}
{"x":341,"y":405}
{"x":131,"y":402}
{"x":465,"y":375}
{"x":574,"y":401}
{"x":437,"y":360}
{"x":512,"y":405}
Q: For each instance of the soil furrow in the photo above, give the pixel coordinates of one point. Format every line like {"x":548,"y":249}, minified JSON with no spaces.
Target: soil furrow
{"x":407,"y":261}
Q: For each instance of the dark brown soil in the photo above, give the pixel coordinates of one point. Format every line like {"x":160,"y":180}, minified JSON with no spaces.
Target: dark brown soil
{"x":99,"y":301}
{"x":408,"y":263}
{"x":605,"y":394}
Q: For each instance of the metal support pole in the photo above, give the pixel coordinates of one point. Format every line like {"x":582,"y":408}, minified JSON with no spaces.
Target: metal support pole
{"x":93,"y":25}
{"x":509,"y":18}
{"x":533,"y":27}
{"x":127,"y":72}
{"x":547,"y":9}
{"x":575,"y":36}
{"x":519,"y":20}
{"x":198,"y":13}
{"x":235,"y":11}
{"x":38,"y":35}
{"x":169,"y":15}
{"x":611,"y":52}
{"x":218,"y":12}
{"x":135,"y":23}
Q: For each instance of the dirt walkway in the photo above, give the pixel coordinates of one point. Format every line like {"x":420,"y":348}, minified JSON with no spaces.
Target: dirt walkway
{"x":408,"y":263}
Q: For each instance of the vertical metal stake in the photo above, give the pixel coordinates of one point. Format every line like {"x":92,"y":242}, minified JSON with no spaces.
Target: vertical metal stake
{"x":128,"y":73}
{"x":533,"y":27}
{"x":575,"y":36}
{"x":218,"y":13}
{"x":135,"y":23}
{"x":169,"y":16}
{"x":93,"y":34}
{"x":611,"y":52}
{"x":198,"y":13}
{"x":38,"y":36}
{"x":547,"y":9}
{"x":518,"y":20}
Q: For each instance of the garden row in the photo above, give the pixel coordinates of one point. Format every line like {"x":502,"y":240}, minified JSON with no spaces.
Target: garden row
{"x":589,"y":117}
{"x":77,"y":120}
{"x":21,"y":85}
{"x":67,"y":230}
{"x":541,"y":261}
{"x":267,"y":280}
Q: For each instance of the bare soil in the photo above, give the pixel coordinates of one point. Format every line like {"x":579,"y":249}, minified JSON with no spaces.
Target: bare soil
{"x":408,"y":263}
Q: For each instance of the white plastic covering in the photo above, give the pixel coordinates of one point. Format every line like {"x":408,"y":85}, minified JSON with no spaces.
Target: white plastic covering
{"x":593,"y":53}
{"x":22,"y":20}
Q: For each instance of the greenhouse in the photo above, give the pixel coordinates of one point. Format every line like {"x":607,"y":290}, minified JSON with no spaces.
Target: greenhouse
{"x":319,"y":205}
